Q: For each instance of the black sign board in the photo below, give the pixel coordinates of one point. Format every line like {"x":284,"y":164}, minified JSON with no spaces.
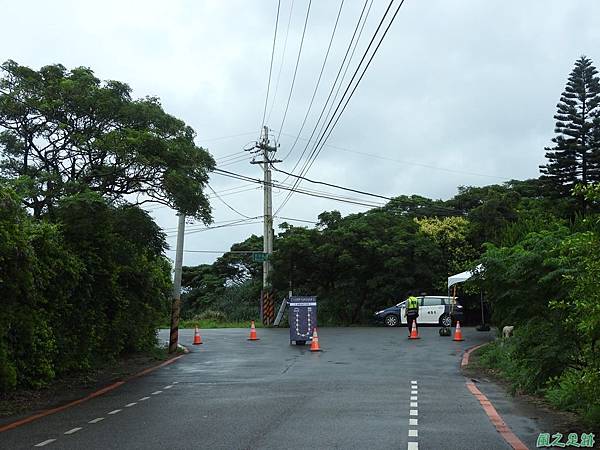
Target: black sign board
{"x":302,"y":314}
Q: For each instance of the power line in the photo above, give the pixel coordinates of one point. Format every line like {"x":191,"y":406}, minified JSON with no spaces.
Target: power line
{"x":336,"y":79}
{"x":354,"y":34}
{"x":327,"y":195}
{"x":324,"y":131}
{"x":296,"y":220}
{"x":332,"y":185}
{"x":224,"y":226}
{"x":357,"y":83}
{"x":228,"y":136}
{"x":318,"y":81}
{"x":410,"y":163}
{"x":224,"y":193}
{"x":325,"y":135}
{"x":227,"y":204}
{"x":233,"y":162}
{"x":271,"y":64}
{"x":197,"y":226}
{"x":304,"y":190}
{"x":230,"y":156}
{"x":239,"y":191}
{"x":287,"y":32}
{"x":350,"y":59}
{"x":229,"y":224}
{"x":220,"y":251}
{"x":295,"y":69}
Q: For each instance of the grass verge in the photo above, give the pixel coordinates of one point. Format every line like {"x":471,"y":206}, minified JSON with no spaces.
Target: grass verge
{"x":497,"y":361}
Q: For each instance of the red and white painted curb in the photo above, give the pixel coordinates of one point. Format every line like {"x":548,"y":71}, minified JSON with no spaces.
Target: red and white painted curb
{"x":95,"y":394}
{"x":496,"y":419}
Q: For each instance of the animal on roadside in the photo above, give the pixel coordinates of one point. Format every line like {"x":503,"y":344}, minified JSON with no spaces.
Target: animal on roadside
{"x":507,"y":331}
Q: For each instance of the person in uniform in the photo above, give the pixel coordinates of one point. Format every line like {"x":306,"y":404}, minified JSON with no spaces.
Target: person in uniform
{"x":412,"y":312}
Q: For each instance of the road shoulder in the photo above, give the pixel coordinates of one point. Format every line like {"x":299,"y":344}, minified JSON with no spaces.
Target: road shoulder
{"x":526,"y":415}
{"x":25,"y":405}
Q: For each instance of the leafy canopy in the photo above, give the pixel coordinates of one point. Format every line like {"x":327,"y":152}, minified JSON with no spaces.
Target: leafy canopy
{"x":63,"y":132}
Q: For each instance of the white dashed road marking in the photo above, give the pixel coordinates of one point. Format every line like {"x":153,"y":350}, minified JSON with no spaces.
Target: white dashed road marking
{"x":413,"y":421}
{"x":113,"y":412}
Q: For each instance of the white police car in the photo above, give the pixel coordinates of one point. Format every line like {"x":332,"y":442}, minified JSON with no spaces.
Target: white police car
{"x":433,"y":309}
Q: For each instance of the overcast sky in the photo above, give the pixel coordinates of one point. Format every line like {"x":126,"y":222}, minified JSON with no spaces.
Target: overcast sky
{"x":461,"y":92}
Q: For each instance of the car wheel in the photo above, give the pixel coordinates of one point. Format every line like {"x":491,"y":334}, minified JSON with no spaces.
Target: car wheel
{"x":446,"y":321}
{"x":391,"y":320}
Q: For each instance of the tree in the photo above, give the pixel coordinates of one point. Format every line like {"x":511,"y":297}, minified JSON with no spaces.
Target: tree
{"x":63,"y":132}
{"x":450,"y":236}
{"x":575,"y":157}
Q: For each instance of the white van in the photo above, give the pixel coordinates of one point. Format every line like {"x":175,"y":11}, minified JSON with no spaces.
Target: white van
{"x":433,"y":309}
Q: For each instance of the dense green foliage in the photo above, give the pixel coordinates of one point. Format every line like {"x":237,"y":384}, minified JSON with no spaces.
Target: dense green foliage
{"x":77,"y":292}
{"x":543,"y":276}
{"x":63,"y":132}
{"x":548,"y":286}
{"x":363,"y":262}
{"x":83,"y":276}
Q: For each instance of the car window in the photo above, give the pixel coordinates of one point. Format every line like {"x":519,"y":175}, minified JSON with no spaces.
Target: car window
{"x":431,"y":301}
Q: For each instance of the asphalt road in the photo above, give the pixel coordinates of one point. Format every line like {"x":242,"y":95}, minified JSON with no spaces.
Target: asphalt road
{"x":361,"y":392}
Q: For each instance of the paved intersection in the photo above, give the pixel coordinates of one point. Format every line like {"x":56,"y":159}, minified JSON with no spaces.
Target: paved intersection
{"x":369,"y":388}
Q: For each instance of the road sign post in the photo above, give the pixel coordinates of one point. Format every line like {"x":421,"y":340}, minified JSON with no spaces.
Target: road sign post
{"x":260,"y":256}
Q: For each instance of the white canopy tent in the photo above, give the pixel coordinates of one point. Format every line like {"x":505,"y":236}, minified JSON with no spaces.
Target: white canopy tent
{"x":463,"y":276}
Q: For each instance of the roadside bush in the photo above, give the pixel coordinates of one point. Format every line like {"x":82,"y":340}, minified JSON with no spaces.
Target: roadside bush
{"x":239,"y":303}
{"x":577,"y":391}
{"x":547,"y":284}
{"x":211,"y":314}
{"x":538,"y":351}
{"x":78,"y":292}
{"x":8,"y":372}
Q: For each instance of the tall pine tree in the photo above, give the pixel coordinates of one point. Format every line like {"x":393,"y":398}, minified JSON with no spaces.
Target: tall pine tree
{"x":575,"y":157}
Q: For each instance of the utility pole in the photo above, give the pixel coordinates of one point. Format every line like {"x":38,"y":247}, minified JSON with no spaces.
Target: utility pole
{"x":176,"y":302}
{"x":268,"y":211}
{"x":265,"y":149}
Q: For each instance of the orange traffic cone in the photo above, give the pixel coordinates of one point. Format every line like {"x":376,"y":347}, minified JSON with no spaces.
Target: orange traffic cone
{"x":197,"y":338}
{"x":314,"y":346}
{"x":458,"y":333}
{"x":252,"y":332}
{"x":414,"y":334}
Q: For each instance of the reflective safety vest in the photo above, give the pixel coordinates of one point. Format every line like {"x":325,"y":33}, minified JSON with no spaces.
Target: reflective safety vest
{"x":412,"y":305}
